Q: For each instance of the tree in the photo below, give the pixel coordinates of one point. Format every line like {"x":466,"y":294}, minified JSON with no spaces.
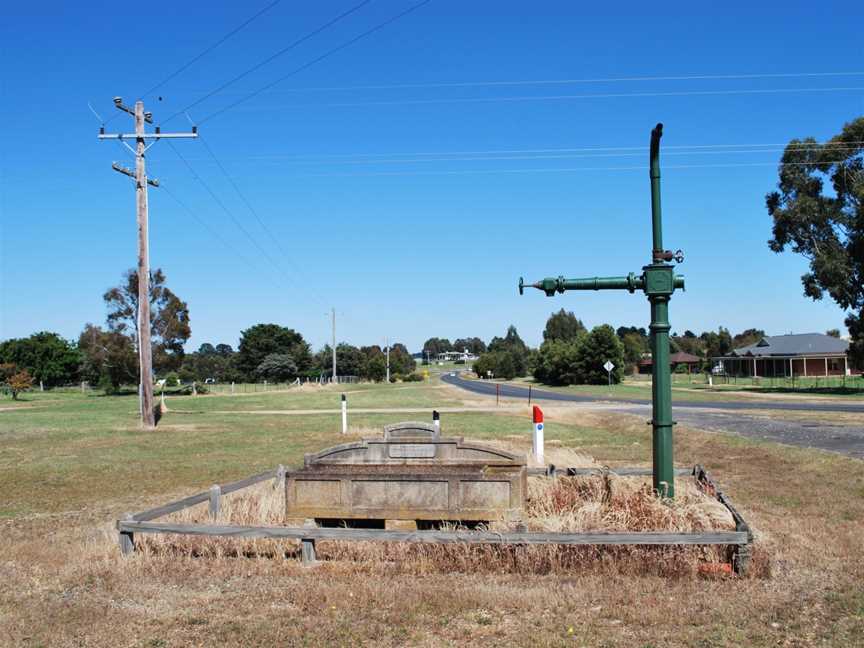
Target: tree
{"x":595,"y":349}
{"x":717,"y":344}
{"x":376,"y":368}
{"x":276,"y":367}
{"x":826,"y":226}
{"x":19,"y":381}
{"x":747,"y":337}
{"x":512,"y":345}
{"x":401,"y":362}
{"x":169,"y":318}
{"x":218,"y":363}
{"x":474,"y":345}
{"x":564,"y":326}
{"x":433,"y":346}
{"x":634,"y":346}
{"x":835,"y":333}
{"x":108,"y":358}
{"x":261,"y":340}
{"x":557,"y":362}
{"x":45,"y":356}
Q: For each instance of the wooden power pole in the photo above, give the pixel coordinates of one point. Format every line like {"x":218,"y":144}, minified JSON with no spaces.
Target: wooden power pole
{"x":145,"y":360}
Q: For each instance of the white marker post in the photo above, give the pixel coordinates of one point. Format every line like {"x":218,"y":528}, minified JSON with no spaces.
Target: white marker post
{"x":537,"y":446}
{"x":436,"y":422}
{"x":344,"y":415}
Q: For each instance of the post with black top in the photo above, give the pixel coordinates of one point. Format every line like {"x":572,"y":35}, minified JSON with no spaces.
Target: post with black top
{"x":658,"y":281}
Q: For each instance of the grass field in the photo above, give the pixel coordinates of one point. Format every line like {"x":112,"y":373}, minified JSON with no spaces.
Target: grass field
{"x":70,"y":464}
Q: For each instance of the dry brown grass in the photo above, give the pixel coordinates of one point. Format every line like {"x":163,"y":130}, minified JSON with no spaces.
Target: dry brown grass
{"x":565,"y":504}
{"x":63,"y":583}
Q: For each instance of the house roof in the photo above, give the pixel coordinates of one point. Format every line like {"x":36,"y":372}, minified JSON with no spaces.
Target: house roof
{"x":793,"y":345}
{"x":675,"y":358}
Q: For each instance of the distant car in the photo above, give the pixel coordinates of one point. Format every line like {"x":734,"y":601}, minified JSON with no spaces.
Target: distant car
{"x":453,"y":374}
{"x":210,"y":381}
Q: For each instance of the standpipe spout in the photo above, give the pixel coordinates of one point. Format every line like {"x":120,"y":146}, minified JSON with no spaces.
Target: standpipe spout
{"x":656,"y":210}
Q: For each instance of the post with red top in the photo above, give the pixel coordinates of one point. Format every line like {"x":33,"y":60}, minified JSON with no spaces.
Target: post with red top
{"x":497,"y":393}
{"x":537,"y":444}
{"x":344,"y":415}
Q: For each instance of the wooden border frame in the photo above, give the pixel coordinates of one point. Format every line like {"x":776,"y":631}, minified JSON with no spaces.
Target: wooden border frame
{"x":739,"y":541}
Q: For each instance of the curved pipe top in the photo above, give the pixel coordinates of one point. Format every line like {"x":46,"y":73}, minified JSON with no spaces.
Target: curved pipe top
{"x":654,"y":158}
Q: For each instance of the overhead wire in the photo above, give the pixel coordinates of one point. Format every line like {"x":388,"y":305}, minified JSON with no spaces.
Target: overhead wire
{"x":605,"y":95}
{"x":315,"y":60}
{"x":239,"y":224}
{"x":539,"y":82}
{"x":272,"y":57}
{"x":285,"y":255}
{"x":504,"y":158}
{"x":206,"y":51}
{"x":206,"y":226}
{"x":640,"y":167}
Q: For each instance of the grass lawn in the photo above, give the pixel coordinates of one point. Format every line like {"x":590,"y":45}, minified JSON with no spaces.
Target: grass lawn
{"x":70,"y":464}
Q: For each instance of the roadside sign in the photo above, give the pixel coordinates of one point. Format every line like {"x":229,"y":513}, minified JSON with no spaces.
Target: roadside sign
{"x":608,"y":366}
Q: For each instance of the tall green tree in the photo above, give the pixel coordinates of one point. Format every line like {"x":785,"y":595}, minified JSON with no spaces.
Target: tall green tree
{"x":169,"y":318}
{"x":823,"y":224}
{"x":401,"y":362}
{"x":595,"y":349}
{"x":563,"y":326}
{"x":277,"y":367}
{"x":474,"y":345}
{"x":433,"y":346}
{"x":46,"y":356}
{"x":259,"y":341}
{"x":108,"y":358}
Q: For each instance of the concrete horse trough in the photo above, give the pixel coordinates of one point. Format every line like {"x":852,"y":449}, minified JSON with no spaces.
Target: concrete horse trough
{"x":410,"y":477}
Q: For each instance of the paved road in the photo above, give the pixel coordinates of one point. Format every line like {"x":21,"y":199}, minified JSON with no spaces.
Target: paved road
{"x":515,"y":391}
{"x":721,"y":416}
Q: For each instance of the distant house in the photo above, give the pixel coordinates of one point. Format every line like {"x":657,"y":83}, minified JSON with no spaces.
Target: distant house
{"x":691,"y":361}
{"x":803,"y":354}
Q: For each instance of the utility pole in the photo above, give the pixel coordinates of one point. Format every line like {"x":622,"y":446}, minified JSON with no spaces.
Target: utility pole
{"x":333,"y":313}
{"x":145,"y":361}
{"x":387,"y":351}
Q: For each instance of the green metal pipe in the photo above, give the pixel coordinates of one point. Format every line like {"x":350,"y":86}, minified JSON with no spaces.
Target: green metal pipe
{"x":661,"y":397}
{"x":654,"y":173}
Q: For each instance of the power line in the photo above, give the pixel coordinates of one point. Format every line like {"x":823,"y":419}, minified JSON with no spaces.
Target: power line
{"x":606,"y":95}
{"x":642,"y":167}
{"x":197,"y":58}
{"x":207,"y":226}
{"x":557,"y":156}
{"x":538,"y":82}
{"x":318,"y":59}
{"x":254,"y":212}
{"x":272,"y":57}
{"x":234,"y":219}
{"x":206,"y":51}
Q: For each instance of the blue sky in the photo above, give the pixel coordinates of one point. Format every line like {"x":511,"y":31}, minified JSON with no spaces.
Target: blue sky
{"x":392,"y":185}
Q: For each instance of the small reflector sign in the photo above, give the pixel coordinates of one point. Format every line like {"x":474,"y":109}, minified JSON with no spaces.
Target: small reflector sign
{"x":608,"y":366}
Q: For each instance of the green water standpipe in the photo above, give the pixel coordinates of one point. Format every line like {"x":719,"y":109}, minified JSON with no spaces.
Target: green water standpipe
{"x":658,"y":281}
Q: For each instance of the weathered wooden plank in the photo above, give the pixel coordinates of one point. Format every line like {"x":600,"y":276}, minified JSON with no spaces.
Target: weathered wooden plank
{"x":172,"y":507}
{"x":192,"y":500}
{"x":249,"y":481}
{"x":439,"y":537}
{"x":215,"y":501}
{"x":307,"y":551}
{"x":127,"y":539}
